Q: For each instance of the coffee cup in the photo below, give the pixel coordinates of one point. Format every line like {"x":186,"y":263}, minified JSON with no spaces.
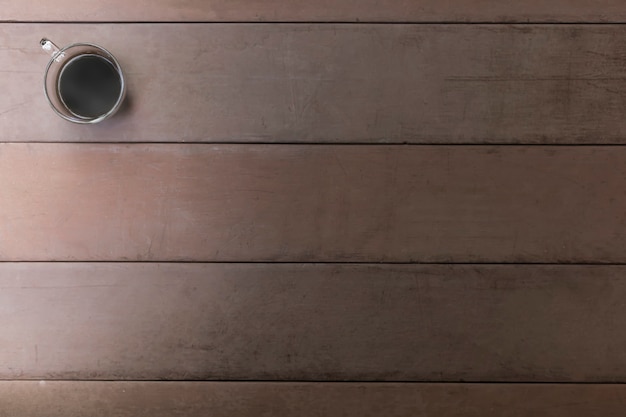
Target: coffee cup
{"x":83,"y":82}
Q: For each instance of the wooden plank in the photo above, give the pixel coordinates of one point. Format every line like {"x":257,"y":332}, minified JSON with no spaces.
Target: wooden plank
{"x":237,"y":399}
{"x":334,"y":83}
{"x":316,"y":322}
{"x":320,"y":11}
{"x":304,"y":203}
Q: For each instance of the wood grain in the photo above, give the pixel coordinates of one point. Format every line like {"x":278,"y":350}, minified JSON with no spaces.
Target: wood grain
{"x":199,"y":399}
{"x":321,"y":10}
{"x":312,"y":322}
{"x":334,"y":83}
{"x":306,"y":203}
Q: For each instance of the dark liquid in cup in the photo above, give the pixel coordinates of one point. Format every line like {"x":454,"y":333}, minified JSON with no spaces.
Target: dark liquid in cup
{"x":89,"y":86}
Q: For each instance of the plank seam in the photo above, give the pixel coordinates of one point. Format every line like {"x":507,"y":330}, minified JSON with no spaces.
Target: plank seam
{"x":364,"y":263}
{"x":322,"y":381}
{"x":320,"y":143}
{"x":314,"y":22}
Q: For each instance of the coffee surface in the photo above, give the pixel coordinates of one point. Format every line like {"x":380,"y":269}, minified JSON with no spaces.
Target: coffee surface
{"x":89,"y":86}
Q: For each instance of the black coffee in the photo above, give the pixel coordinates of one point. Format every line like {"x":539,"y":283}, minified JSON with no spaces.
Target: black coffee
{"x":89,"y":86}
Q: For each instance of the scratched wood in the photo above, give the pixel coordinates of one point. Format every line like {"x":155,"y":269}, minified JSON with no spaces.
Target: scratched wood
{"x":318,"y":322}
{"x":240,"y":399}
{"x":321,"y":10}
{"x":334,"y":83}
{"x":306,"y":203}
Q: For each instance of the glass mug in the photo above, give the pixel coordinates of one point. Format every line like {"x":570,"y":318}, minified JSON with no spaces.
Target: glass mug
{"x":83,"y":82}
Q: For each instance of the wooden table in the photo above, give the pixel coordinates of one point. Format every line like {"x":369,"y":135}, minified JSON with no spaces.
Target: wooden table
{"x":318,"y":208}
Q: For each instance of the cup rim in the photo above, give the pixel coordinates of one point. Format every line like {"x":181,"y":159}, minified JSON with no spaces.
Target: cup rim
{"x":102,"y":117}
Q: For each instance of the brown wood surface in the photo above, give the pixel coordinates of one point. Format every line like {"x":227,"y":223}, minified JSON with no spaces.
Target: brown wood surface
{"x":305,"y":203}
{"x":312,"y":322}
{"x":320,"y":10}
{"x":334,"y":83}
{"x":237,"y":399}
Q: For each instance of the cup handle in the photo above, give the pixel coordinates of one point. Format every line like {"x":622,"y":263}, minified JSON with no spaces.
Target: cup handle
{"x":48,"y":46}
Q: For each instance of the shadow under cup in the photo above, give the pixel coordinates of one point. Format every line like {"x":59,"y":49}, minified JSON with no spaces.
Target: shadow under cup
{"x":84,"y":83}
